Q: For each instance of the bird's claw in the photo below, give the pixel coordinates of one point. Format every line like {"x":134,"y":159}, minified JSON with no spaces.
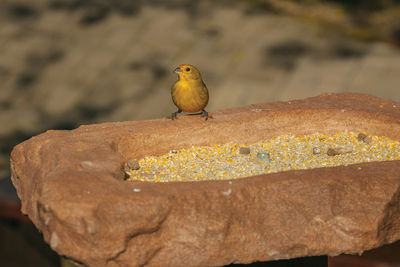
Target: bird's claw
{"x":205,"y":115}
{"x":174,"y":115}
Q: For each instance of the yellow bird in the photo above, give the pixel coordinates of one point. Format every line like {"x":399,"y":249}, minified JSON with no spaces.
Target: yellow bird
{"x":189,"y":93}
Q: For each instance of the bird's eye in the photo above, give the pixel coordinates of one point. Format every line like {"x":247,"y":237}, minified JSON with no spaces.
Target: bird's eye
{"x":187,"y":69}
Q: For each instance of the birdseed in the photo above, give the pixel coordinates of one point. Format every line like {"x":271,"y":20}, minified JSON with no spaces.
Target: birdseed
{"x":285,"y":152}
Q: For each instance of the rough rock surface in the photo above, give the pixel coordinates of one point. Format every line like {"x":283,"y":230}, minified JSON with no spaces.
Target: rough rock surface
{"x":64,"y":63}
{"x":71,"y":187}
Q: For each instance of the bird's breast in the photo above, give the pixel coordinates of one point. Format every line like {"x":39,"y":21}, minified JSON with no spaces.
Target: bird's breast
{"x":190,"y":97}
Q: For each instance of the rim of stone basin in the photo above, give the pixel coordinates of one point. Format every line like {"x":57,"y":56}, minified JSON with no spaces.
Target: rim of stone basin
{"x":71,"y":186}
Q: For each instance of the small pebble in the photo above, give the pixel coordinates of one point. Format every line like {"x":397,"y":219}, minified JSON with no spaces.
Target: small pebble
{"x":244,"y":150}
{"x":339,"y":150}
{"x":331,"y":152}
{"x":364,"y":138}
{"x":133,"y":165}
{"x":316,"y":150}
{"x":227,"y":192}
{"x":263,"y":156}
{"x":87,"y":163}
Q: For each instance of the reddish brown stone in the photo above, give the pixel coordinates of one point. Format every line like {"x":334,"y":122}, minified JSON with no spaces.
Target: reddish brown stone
{"x":363,"y":137}
{"x":244,"y":150}
{"x":71,"y":186}
{"x":339,"y":150}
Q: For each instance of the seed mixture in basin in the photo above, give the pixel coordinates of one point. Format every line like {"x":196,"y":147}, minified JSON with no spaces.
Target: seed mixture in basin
{"x":281,"y":153}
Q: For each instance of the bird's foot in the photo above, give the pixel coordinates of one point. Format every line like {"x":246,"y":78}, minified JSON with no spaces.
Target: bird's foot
{"x":205,"y":114}
{"x":174,"y":115}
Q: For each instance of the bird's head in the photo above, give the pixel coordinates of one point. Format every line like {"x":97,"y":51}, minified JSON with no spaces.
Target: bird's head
{"x":187,"y":72}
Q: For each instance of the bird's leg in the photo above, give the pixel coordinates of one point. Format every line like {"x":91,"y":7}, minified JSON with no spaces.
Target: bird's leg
{"x":204,"y":113}
{"x":174,"y":114}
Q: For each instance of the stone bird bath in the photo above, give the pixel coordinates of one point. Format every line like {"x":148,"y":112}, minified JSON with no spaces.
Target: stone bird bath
{"x":72,"y":188}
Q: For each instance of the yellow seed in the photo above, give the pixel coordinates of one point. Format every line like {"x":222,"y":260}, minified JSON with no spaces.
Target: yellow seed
{"x":223,"y":161}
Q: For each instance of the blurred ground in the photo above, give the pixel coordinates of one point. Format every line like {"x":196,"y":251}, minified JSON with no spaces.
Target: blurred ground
{"x":64,"y":63}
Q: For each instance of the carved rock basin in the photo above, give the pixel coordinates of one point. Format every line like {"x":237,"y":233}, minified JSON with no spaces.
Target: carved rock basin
{"x":71,"y":186}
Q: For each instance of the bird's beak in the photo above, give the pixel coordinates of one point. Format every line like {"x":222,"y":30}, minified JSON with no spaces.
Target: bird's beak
{"x":178,"y":71}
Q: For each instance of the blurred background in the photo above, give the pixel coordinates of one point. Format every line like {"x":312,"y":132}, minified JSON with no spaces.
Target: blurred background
{"x":64,"y":63}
